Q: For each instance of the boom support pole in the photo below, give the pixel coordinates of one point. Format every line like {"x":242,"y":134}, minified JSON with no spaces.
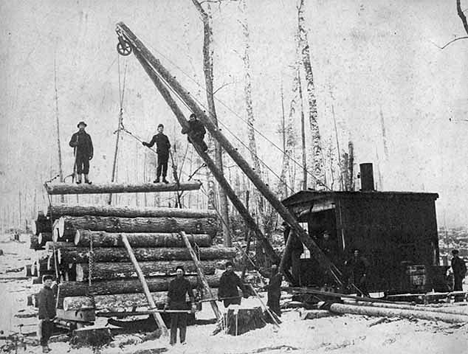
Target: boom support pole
{"x":231,"y":150}
{"x":248,"y":219}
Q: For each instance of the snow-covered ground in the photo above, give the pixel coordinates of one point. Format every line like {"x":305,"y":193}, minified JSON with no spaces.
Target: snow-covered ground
{"x":335,"y":334}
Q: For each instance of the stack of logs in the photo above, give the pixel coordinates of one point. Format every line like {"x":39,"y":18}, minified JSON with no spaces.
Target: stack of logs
{"x":83,"y":247}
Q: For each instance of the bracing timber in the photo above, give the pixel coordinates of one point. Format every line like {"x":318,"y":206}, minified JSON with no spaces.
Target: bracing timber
{"x":288,"y":217}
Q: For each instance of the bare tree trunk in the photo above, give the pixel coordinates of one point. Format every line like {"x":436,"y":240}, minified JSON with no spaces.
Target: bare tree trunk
{"x":303,"y":135}
{"x":209,"y":77}
{"x":462,"y":16}
{"x":317,"y":155}
{"x":251,"y":126}
{"x":351,"y":166}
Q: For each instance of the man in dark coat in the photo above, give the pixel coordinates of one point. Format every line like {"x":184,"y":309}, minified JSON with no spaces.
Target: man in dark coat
{"x":83,"y":148}
{"x":459,"y":272}
{"x":228,"y":284}
{"x":357,"y":267}
{"x":176,"y":300}
{"x":196,"y":132}
{"x":274,"y":290}
{"x":162,"y":149}
{"x":47,"y":313}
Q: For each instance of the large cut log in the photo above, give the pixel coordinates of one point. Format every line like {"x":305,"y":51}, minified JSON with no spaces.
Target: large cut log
{"x":63,"y":188}
{"x":69,"y":224}
{"x":52,"y":246}
{"x":58,"y":210}
{"x":453,"y":310}
{"x":123,"y":286}
{"x":115,"y":302}
{"x":80,"y":254}
{"x":44,"y":237}
{"x":109,"y":270}
{"x":63,"y":231}
{"x":106,"y":239}
{"x":387,"y":312}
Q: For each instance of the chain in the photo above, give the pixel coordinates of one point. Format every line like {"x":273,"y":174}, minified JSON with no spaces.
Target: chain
{"x":90,"y":268}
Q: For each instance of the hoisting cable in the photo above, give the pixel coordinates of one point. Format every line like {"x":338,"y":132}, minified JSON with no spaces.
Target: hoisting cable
{"x":234,"y":135}
{"x":239,"y":117}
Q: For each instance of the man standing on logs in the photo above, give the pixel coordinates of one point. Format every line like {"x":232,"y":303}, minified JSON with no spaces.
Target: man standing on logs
{"x":459,"y":272}
{"x":176,"y":300}
{"x":47,"y":313}
{"x":83,"y":146}
{"x":197,"y":131}
{"x":162,"y":149}
{"x":228,"y":284}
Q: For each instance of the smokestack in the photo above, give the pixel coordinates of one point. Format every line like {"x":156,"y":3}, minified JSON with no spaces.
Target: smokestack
{"x":367,"y":177}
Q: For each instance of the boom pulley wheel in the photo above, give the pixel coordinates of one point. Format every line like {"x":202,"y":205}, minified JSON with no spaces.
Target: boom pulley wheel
{"x":123,"y":47}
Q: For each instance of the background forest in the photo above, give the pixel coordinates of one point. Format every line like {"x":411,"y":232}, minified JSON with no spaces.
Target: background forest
{"x":306,"y":90}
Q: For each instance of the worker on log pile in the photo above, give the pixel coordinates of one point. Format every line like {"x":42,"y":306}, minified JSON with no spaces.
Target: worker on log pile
{"x":196,"y":132}
{"x":357,"y":267}
{"x":228,"y":284}
{"x":47,"y":313}
{"x":83,"y":148}
{"x":274,"y":290}
{"x":162,"y":149}
{"x":179,"y":288}
{"x":459,"y":272}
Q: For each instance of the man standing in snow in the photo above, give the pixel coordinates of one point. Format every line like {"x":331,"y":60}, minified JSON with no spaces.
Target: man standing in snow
{"x":228,"y":284}
{"x":274,"y":290}
{"x":83,"y":146}
{"x":47,"y":313}
{"x":357,"y":267}
{"x":176,"y":300}
{"x":459,"y":272}
{"x":162,"y":149}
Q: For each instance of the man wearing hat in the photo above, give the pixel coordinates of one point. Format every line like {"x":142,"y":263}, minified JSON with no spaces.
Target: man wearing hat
{"x":196,"y":132}
{"x":162,"y":149}
{"x":83,"y":148}
{"x":46,"y":314}
{"x":176,"y":300}
{"x":459,"y":272}
{"x":228,"y":284}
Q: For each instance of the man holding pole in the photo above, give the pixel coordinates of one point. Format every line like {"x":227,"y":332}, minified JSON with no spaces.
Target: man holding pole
{"x":176,"y":300}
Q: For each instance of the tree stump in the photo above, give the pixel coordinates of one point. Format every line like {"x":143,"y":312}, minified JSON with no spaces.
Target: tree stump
{"x":95,"y":337}
{"x":239,"y":320}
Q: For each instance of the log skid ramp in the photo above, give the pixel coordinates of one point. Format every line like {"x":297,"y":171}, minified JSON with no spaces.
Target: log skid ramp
{"x":81,"y":245}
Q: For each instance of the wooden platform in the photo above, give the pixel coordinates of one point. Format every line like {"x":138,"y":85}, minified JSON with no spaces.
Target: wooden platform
{"x":67,"y":188}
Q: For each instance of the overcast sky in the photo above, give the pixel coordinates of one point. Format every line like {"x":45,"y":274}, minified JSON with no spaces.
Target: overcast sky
{"x":374,"y":61}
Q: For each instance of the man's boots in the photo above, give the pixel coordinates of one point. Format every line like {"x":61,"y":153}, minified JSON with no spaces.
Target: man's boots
{"x":156,"y":180}
{"x":86,"y":179}
{"x":78,"y":178}
{"x":165,"y":180}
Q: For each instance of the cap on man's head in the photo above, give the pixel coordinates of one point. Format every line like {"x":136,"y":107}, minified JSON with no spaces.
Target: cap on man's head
{"x":181,"y":268}
{"x":454,"y":252}
{"x":193,"y":115}
{"x":228,"y":264}
{"x":81,"y":123}
{"x":160,"y":126}
{"x":47,"y":277}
